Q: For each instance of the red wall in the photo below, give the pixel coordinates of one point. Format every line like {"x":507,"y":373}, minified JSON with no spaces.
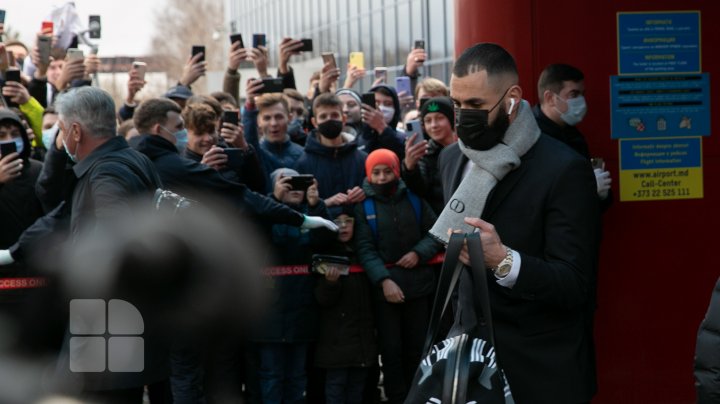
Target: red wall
{"x":656,"y":266}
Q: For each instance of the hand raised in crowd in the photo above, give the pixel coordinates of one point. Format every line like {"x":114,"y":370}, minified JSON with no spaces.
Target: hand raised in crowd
{"x":10,"y":167}
{"x":234,"y":135}
{"x":332,"y":275}
{"x":215,"y":158}
{"x":72,"y":70}
{"x":354,"y":74}
{"x":338,"y":199}
{"x":135,"y":84}
{"x":414,"y":151}
{"x":409,"y":260}
{"x":415,"y":59}
{"x":282,"y":186}
{"x":313,"y":195}
{"x":329,"y":76}
{"x":16,"y":92}
{"x":288,"y":47}
{"x":92,"y":64}
{"x":492,"y":246}
{"x":373,"y":118}
{"x":392,"y":292}
{"x":355,"y":195}
{"x":259,"y":57}
{"x":193,"y":70}
{"x":252,"y":90}
{"x":236,"y":55}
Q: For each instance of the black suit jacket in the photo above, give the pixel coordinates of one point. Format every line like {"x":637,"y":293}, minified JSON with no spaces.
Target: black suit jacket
{"x":547,"y":211}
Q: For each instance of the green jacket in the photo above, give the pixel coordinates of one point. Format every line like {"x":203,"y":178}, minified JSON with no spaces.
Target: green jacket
{"x":398,"y":234}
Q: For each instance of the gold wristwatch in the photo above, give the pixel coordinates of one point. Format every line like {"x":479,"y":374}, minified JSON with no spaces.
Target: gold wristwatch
{"x":503,"y":268}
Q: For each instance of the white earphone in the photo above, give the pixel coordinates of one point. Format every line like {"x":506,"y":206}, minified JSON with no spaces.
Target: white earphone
{"x":512,"y":105}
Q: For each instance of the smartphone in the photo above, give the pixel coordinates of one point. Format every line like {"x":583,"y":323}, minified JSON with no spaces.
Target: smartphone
{"x":12,"y":75}
{"x":322,"y":264}
{"x":597,"y":162}
{"x":4,"y":61}
{"x":237,"y":38}
{"x":44,"y":43}
{"x":94,"y":26}
{"x":234,"y":155}
{"x":329,"y":57}
{"x":141,"y":68}
{"x":307,"y":45}
{"x":7,"y":148}
{"x":230,"y":117}
{"x":75,"y":53}
{"x":357,"y":59}
{"x":47,"y":28}
{"x":413,"y":127}
{"x":258,"y":40}
{"x":368,"y":99}
{"x":272,"y":85}
{"x":402,"y":84}
{"x":301,"y":182}
{"x":198,"y":49}
{"x":419,"y":44}
{"x":381,"y":73}
{"x":2,"y":16}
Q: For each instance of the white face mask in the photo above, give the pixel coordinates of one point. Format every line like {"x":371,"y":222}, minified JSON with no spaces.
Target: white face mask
{"x":575,"y":112}
{"x":388,"y":113}
{"x":48,"y":136}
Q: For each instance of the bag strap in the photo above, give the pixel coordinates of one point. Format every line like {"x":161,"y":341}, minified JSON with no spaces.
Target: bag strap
{"x":482,"y":294}
{"x":371,"y":216}
{"x":449,"y":276}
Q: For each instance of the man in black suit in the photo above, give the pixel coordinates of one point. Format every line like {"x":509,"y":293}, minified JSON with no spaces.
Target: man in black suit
{"x":534,"y":201}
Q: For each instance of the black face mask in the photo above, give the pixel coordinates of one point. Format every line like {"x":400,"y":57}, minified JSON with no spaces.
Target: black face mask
{"x":385,"y":189}
{"x":331,"y":128}
{"x":475,"y":131}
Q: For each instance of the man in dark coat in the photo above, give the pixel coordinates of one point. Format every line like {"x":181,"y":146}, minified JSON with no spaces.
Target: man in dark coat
{"x":534,"y":201}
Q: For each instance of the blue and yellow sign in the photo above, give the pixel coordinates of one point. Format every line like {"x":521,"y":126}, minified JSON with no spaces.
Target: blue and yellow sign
{"x":662,"y":168}
{"x":660,"y":106}
{"x":658,"y":42}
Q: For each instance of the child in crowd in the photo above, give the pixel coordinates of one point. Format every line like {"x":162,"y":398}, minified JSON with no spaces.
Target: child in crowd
{"x":392,"y":241}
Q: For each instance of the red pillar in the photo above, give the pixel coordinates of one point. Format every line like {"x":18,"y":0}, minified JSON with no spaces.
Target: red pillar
{"x":507,"y":23}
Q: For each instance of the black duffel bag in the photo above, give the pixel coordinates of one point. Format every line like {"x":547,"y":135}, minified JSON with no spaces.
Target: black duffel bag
{"x":461,"y":369}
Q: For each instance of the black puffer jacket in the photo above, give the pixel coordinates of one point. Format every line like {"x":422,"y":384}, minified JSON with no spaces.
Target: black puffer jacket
{"x":347,"y":327}
{"x":398,"y":234}
{"x":707,"y":353}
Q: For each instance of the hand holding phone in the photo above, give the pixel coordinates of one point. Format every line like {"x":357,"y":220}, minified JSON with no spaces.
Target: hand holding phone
{"x":301,"y":182}
{"x":198,"y":49}
{"x":368,"y":99}
{"x":402,"y":85}
{"x":307,"y":45}
{"x":272,"y":85}
{"x":259,"y":40}
{"x":141,"y":69}
{"x":329,"y":57}
{"x":237,"y":38}
{"x":357,"y":59}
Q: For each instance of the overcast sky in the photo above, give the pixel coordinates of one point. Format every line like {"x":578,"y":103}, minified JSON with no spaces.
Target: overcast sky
{"x":127,"y":25}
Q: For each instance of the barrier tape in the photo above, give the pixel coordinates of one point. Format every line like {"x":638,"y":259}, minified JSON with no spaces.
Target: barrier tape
{"x":295,"y":270}
{"x":22,"y":283}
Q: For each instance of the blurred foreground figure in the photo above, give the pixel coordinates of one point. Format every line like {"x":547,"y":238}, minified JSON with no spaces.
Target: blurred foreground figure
{"x":157,"y":279}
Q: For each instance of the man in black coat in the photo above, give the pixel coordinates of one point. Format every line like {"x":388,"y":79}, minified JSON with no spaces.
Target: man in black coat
{"x":538,"y":217}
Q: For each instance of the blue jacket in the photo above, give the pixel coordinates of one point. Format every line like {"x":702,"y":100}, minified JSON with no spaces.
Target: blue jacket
{"x":272,"y":155}
{"x":336,"y":169}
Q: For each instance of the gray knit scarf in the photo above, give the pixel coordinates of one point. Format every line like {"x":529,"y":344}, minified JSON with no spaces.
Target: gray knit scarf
{"x":490,"y":166}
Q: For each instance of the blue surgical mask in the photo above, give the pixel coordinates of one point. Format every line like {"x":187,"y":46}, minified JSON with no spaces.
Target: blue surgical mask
{"x":181,"y":138}
{"x":48,"y":136}
{"x":72,"y":157}
{"x":575,"y":112}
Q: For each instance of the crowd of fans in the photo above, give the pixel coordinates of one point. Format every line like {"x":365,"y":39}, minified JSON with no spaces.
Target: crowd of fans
{"x":290,"y":162}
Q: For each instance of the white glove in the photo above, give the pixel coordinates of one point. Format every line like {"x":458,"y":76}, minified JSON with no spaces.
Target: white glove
{"x":603,"y":180}
{"x":316,"y":222}
{"x":6,"y":258}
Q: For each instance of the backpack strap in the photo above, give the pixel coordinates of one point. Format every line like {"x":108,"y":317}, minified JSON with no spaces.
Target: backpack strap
{"x":369,"y":205}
